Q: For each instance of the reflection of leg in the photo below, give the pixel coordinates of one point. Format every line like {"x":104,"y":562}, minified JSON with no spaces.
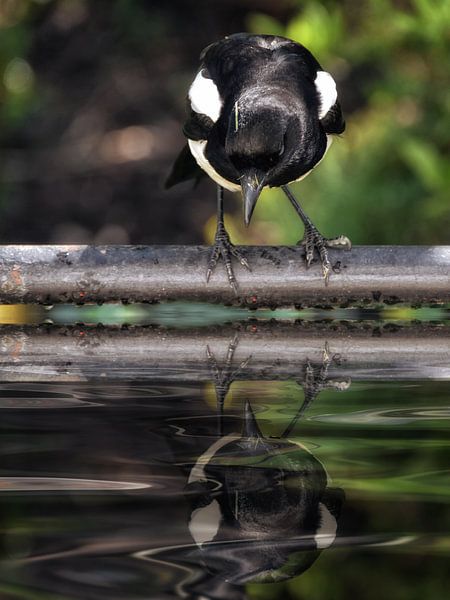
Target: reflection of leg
{"x":315,"y":379}
{"x":224,"y":377}
{"x":314,"y":240}
{"x":223,"y":247}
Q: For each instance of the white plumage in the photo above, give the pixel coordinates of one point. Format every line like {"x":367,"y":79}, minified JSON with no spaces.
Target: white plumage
{"x":204,"y":97}
{"x":326,"y":534}
{"x":326,"y":88}
{"x":197,"y":148}
{"x":205,"y":522}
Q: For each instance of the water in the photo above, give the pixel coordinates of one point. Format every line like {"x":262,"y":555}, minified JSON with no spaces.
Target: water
{"x":255,"y":460}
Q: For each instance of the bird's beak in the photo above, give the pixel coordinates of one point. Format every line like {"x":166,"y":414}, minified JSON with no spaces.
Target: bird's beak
{"x":251,"y":429}
{"x":252,"y":182}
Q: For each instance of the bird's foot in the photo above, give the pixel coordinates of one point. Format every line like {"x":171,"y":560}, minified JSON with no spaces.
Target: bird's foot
{"x":313,"y":381}
{"x":225,"y":375}
{"x":315,"y":378}
{"x":314,"y":240}
{"x":224,"y":248}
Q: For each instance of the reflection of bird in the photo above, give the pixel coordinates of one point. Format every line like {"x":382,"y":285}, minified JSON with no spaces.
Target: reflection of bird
{"x":262,"y":508}
{"x":262,"y":112}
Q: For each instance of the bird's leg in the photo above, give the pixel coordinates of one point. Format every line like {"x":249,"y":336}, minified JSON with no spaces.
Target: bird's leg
{"x":224,"y":377}
{"x":223,"y":247}
{"x":315,"y":379}
{"x":314,"y":240}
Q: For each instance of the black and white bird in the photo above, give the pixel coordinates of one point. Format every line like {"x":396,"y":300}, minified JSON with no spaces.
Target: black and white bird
{"x":262,"y":113}
{"x":263,"y":509}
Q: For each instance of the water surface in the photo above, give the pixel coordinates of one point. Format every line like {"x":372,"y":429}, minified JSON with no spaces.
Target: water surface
{"x":242,"y":473}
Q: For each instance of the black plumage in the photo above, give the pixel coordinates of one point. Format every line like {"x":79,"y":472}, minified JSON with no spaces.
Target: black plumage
{"x":261,"y":113}
{"x":262,"y":508}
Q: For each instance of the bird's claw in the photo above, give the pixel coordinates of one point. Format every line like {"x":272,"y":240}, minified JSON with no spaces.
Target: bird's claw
{"x":225,"y":375}
{"x":225,"y":249}
{"x":316,"y":378}
{"x":314,"y":240}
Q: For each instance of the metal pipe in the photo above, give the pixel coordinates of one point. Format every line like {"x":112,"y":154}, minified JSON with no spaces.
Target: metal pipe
{"x":276,"y":351}
{"x":363,"y":276}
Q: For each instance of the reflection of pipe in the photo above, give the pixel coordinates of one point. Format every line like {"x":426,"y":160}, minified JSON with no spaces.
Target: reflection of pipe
{"x":277,"y":351}
{"x":367,"y":274}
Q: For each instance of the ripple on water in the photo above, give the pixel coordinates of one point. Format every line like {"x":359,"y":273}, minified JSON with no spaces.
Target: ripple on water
{"x":66,"y":484}
{"x":116,"y":522}
{"x":397,"y":416}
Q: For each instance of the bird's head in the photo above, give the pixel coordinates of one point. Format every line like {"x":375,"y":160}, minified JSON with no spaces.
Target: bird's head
{"x":271,"y":139}
{"x":255,"y":145}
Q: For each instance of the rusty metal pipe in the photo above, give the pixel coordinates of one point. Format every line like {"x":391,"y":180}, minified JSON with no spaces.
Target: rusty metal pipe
{"x":365,"y":275}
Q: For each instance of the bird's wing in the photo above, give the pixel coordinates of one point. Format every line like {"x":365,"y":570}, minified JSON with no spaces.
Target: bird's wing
{"x":184,"y":168}
{"x":333,"y":121}
{"x":333,"y":499}
{"x":197,"y":127}
{"x":330,"y":114}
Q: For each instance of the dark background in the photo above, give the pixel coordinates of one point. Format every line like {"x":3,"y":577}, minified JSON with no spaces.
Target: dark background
{"x":93,"y":99}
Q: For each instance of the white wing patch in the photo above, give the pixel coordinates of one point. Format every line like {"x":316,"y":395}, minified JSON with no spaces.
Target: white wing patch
{"x":326,"y":88}
{"x":204,"y":97}
{"x":326,"y":534}
{"x":197,"y":148}
{"x":205,"y":522}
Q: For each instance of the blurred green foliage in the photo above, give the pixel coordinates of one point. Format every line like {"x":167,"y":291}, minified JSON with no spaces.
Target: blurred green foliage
{"x":18,"y":92}
{"x":181,"y":315}
{"x":386,"y":179}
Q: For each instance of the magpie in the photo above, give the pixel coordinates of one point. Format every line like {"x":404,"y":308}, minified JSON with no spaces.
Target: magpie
{"x":262,"y":113}
{"x":262,"y":508}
